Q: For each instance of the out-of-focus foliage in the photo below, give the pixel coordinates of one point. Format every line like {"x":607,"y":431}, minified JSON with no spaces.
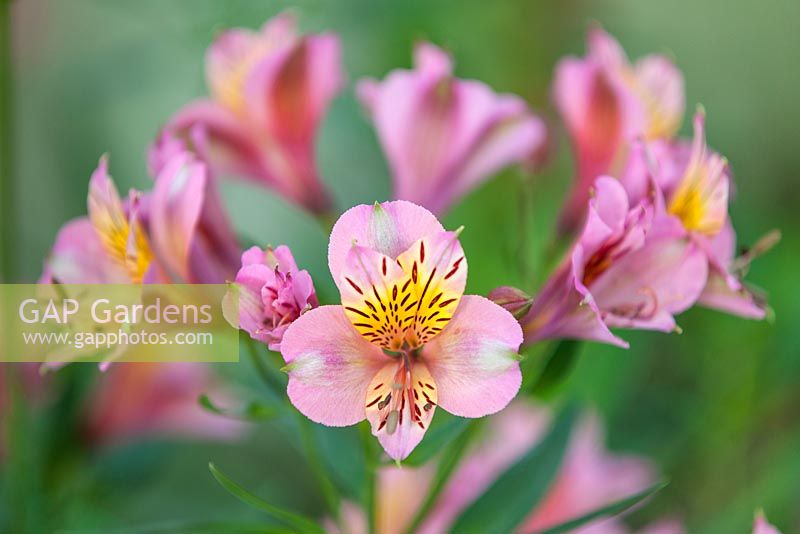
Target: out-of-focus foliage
{"x":715,"y":407}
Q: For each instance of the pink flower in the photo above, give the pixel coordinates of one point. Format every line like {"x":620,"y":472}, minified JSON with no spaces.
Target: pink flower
{"x":761,"y":526}
{"x":629,"y":268}
{"x":133,"y":400}
{"x":404,"y":339}
{"x":269,"y":91}
{"x":444,"y":136}
{"x":695,"y":184}
{"x":272,"y":293}
{"x":605,"y":103}
{"x":589,"y":478}
{"x":178,"y":232}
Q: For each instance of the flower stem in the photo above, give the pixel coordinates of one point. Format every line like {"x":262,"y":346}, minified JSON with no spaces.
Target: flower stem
{"x":371,"y":464}
{"x":7,"y":193}
{"x":448,"y":461}
{"x":310,"y":449}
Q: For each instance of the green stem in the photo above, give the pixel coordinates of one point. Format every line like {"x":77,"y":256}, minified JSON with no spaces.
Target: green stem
{"x":371,"y":461}
{"x":525,"y":223}
{"x":448,"y":462}
{"x":317,"y":467}
{"x":310,"y":448}
{"x":7,"y":193}
{"x":264,"y":373}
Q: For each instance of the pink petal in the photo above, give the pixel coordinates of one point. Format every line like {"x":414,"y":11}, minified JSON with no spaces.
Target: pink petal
{"x":662,"y":84}
{"x":235,"y":50}
{"x":474,"y":360}
{"x":724,"y":291}
{"x":762,"y":526}
{"x":562,"y":311}
{"x":648,"y":286}
{"x":135,"y":399}
{"x":330,"y":366}
{"x":288,"y":93}
{"x":78,"y":257}
{"x":608,"y":210}
{"x":719,"y":295}
{"x":175,"y":208}
{"x":443,"y":136}
{"x":389,"y":228}
{"x":401,"y":424}
{"x":601,"y":114}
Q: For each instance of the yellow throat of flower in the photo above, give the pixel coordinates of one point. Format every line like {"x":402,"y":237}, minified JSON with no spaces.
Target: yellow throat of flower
{"x":122,"y":237}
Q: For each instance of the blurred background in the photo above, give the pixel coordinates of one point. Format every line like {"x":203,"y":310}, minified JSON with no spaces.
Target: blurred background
{"x":716,"y":408}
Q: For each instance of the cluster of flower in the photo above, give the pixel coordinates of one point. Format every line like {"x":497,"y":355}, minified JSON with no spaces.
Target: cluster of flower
{"x":648,"y":213}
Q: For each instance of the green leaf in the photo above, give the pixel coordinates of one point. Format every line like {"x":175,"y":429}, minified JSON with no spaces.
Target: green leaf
{"x":444,"y":430}
{"x":557,"y":368}
{"x":518,"y":490}
{"x":303,"y":524}
{"x":253,"y":411}
{"x":607,"y":511}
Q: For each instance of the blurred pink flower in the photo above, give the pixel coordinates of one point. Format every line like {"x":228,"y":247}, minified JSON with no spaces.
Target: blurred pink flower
{"x":589,"y":478}
{"x":269,"y":91}
{"x":404,"y":339}
{"x":444,"y":136}
{"x":133,"y":400}
{"x":761,"y":526}
{"x":629,"y":268}
{"x":695,"y":182}
{"x":178,"y":232}
{"x":606,"y":102}
{"x":272,"y":293}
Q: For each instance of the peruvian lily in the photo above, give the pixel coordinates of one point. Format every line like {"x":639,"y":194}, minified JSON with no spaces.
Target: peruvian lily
{"x":694,"y":185}
{"x":606,"y":102}
{"x":269,"y":91}
{"x":627,"y":269}
{"x":144,"y":399}
{"x":178,"y":232}
{"x":762,"y":526}
{"x":272,"y":293}
{"x":444,"y":136}
{"x":589,"y":478}
{"x":404,"y":340}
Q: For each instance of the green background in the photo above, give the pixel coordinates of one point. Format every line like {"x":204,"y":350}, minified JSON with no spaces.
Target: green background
{"x":716,"y":407}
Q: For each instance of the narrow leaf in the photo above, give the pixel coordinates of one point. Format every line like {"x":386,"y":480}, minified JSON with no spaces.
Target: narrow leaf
{"x":253,"y":411}
{"x":303,"y":524}
{"x":518,"y":490}
{"x":607,"y":511}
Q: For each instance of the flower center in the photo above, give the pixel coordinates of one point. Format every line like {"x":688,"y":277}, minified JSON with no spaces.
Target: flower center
{"x":401,"y":304}
{"x":122,"y":236}
{"x":701,"y":200}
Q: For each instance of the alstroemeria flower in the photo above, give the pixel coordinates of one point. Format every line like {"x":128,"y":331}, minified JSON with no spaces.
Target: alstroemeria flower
{"x":404,"y":340}
{"x":606,"y":102}
{"x":694,"y":182}
{"x":146,"y":399}
{"x":269,"y":91}
{"x":178,"y":232}
{"x":589,"y":478}
{"x":627,"y":269}
{"x":272,"y":293}
{"x":444,"y":136}
{"x":762,"y":526}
